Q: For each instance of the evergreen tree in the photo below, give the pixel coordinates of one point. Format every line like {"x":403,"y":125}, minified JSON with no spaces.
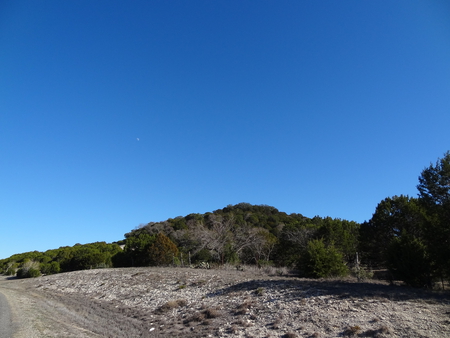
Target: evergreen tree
{"x":162,"y":251}
{"x":320,"y":261}
{"x":434,"y":192}
{"x":392,"y":216}
{"x":138,"y":249}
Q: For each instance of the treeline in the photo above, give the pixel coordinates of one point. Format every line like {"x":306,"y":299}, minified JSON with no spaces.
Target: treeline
{"x":408,"y":236}
{"x":248,"y":234}
{"x":236,"y":234}
{"x":64,"y":259}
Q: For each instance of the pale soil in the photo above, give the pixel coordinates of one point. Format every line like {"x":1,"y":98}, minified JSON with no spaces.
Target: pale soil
{"x":182,"y":302}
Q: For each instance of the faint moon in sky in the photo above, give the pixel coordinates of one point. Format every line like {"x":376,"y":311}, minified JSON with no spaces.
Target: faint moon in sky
{"x":137,"y":138}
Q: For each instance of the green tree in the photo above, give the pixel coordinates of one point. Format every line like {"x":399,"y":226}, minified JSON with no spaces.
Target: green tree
{"x":434,"y":182}
{"x":87,"y":258}
{"x":320,"y":261}
{"x":138,"y":249}
{"x":342,"y":234}
{"x":408,"y":260}
{"x":50,"y":268}
{"x":434,"y":193}
{"x":392,"y":216}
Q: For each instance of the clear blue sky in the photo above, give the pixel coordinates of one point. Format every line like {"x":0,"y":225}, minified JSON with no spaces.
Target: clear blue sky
{"x":118,"y":113}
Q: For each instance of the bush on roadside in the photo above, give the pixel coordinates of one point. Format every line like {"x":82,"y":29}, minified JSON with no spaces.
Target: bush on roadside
{"x":10,"y":272}
{"x":50,"y":268}
{"x":29,"y":269}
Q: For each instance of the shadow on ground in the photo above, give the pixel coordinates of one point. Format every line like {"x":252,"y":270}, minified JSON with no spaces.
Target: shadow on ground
{"x":340,"y":289}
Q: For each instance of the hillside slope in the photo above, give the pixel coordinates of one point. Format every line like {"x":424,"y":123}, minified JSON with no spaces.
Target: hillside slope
{"x":182,"y":302}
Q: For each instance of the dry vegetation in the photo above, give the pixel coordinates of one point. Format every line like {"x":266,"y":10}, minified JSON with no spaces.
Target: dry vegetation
{"x":182,"y":302}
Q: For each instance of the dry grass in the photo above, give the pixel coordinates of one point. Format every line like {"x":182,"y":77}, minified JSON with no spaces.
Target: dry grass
{"x":352,"y":331}
{"x":290,"y":335}
{"x":277,"y":323}
{"x":170,"y":305}
{"x":243,"y":308}
{"x":196,"y":317}
{"x":212,"y":313}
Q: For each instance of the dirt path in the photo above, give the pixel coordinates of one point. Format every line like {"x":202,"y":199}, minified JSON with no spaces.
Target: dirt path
{"x":35,"y":316}
{"x":5,"y":318}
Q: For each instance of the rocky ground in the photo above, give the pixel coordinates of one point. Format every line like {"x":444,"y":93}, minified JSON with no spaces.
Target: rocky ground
{"x":183,"y":302}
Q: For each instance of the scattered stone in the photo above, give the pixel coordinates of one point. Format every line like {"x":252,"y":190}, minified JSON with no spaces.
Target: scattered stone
{"x":246,"y":303}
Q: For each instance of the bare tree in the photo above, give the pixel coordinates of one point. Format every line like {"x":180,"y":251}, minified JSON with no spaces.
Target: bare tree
{"x":220,"y":235}
{"x":262,"y":244}
{"x":242,"y":238}
{"x":299,"y":236}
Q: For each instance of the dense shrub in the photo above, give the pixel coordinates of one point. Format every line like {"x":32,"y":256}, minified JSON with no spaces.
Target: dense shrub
{"x":121,"y":259}
{"x":29,"y":269}
{"x":409,"y":261}
{"x":50,"y":268}
{"x":11,"y":272}
{"x":320,"y":261}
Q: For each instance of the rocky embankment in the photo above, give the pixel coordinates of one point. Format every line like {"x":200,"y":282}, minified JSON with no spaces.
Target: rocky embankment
{"x":182,"y":302}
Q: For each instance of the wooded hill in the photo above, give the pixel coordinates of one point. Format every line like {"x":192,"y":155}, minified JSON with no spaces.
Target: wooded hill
{"x":242,"y":233}
{"x":409,"y":236}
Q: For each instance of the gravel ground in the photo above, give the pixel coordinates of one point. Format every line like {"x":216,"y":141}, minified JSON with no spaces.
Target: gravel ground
{"x":182,"y":302}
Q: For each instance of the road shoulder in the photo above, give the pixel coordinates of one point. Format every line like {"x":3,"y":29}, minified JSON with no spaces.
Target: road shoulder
{"x":34,"y":316}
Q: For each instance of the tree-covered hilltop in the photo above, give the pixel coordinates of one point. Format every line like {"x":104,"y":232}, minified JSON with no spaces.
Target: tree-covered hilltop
{"x":241,"y":233}
{"x":408,"y":236}
{"x":237,"y":234}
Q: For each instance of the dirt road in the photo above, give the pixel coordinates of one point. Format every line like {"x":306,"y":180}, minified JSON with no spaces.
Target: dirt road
{"x":5,"y":318}
{"x":28,"y":314}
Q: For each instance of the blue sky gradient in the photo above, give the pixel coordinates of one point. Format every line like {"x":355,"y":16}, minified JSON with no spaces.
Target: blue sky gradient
{"x":114,"y":113}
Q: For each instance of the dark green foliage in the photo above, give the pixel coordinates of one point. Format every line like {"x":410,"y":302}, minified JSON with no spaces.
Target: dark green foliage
{"x":434,"y":182}
{"x":33,"y":273}
{"x":203,"y":255}
{"x":411,"y":236}
{"x":242,"y":233}
{"x":408,"y":260}
{"x":320,"y":261}
{"x":394,"y":238}
{"x":434,"y":193}
{"x":392,"y":216}
{"x":29,"y":269}
{"x":21,"y":273}
{"x":87,"y":256}
{"x":10,"y":272}
{"x":121,"y":260}
{"x":138,"y":249}
{"x":342,"y":234}
{"x":50,"y":268}
{"x":178,"y":223}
